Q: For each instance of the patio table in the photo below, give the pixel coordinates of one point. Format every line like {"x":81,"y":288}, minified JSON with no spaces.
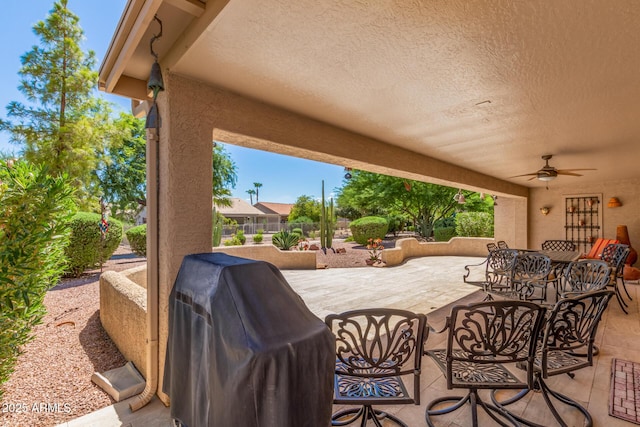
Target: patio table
{"x":559,"y":262}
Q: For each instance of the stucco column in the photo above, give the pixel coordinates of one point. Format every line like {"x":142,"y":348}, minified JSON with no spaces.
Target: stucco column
{"x":184,"y":192}
{"x":510,"y":221}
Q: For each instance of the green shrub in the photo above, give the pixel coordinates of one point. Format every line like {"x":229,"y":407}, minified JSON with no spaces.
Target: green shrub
{"x":285,"y":240}
{"x":444,"y":234}
{"x":234,"y":241}
{"x":137,"y":237}
{"x":474,"y":224}
{"x":257,"y":238}
{"x":34,"y":229}
{"x":396,"y":224}
{"x":368,"y":227}
{"x":87,"y":248}
{"x":298,"y":231}
{"x":241,"y":237}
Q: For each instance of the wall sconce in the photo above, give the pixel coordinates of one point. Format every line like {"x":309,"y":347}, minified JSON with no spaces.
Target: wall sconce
{"x":460,"y":198}
{"x":347,"y":174}
{"x":544,"y":210}
{"x":495,"y":200}
{"x":614,"y":203}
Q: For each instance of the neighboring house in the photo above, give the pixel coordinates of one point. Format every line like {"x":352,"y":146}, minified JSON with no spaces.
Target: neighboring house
{"x":281,"y":209}
{"x":249,"y":217}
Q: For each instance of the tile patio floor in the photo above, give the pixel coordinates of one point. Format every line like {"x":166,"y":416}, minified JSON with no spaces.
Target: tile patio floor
{"x":431,"y":285}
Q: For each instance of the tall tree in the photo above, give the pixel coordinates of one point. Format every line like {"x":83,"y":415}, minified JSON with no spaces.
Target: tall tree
{"x":63,"y":125}
{"x":305,"y":206}
{"x":257,"y":185}
{"x":225,"y":176}
{"x":375,"y":194}
{"x":251,"y":192}
{"x":122,"y":175}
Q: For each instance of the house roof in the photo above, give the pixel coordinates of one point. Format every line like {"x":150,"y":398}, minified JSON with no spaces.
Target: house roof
{"x":239,"y":207}
{"x":283,"y":209}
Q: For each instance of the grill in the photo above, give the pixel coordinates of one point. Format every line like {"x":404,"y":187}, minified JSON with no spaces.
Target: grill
{"x":243,"y":349}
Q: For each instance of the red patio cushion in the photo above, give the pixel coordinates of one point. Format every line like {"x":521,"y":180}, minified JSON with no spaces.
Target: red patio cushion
{"x":598,"y":246}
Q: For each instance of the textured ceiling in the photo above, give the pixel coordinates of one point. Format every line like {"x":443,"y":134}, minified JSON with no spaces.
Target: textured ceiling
{"x":489,"y":85}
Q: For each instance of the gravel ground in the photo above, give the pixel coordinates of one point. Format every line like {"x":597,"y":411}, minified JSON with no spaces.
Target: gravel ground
{"x":52,"y":380}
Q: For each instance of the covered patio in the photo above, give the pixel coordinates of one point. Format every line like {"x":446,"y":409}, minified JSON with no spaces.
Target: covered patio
{"x":469,"y":95}
{"x":430,"y":285}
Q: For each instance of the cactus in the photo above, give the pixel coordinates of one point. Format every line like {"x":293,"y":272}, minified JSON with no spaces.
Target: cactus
{"x":326,"y":223}
{"x":217,"y":228}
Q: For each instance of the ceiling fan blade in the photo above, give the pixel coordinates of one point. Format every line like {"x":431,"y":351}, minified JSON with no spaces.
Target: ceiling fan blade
{"x":573,"y":170}
{"x":526,"y":174}
{"x":568,"y":173}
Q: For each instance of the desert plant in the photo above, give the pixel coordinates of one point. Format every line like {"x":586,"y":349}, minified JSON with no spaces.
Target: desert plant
{"x":35,"y":209}
{"x":285,"y":240}
{"x":241,"y":237}
{"x":298,"y":231}
{"x":137,"y":237}
{"x":218,"y":223}
{"x":87,"y":248}
{"x":257,"y":238}
{"x":368,"y":227}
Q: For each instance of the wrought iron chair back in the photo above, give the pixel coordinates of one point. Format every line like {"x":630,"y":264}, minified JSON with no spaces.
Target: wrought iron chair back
{"x":484,"y":339}
{"x":586,"y":275}
{"x":567,"y":345}
{"x":530,"y":271}
{"x":558,"y":245}
{"x":615,"y":255}
{"x":571,"y":328}
{"x":491,"y":246}
{"x":499,"y":269}
{"x":502,"y":244}
{"x":374,"y":349}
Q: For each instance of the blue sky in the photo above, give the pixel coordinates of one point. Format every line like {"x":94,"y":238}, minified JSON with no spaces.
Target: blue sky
{"x":283,"y":178}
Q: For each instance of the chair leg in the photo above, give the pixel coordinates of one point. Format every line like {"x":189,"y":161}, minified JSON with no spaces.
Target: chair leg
{"x":623,"y":305}
{"x":364,"y":414}
{"x":624,"y":286}
{"x":547,"y":393}
{"x":474,"y":400}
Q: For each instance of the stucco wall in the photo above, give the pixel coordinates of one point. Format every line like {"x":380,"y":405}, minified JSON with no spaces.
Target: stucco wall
{"x":551,"y":226}
{"x":288,"y":260}
{"x":123,"y":313}
{"x":457,"y":246}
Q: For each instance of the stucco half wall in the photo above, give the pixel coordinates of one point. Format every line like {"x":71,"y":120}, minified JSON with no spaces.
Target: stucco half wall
{"x":457,"y":246}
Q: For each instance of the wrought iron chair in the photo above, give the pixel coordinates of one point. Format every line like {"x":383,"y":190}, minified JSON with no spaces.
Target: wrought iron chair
{"x":586,"y":275}
{"x":491,"y":246}
{"x":615,"y":255}
{"x":531,"y":271}
{"x":497,"y":270}
{"x":558,"y":245}
{"x":502,"y":244}
{"x":375,"y":348}
{"x":485,"y":339}
{"x":570,"y":329}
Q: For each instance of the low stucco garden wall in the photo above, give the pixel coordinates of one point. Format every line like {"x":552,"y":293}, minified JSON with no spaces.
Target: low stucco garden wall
{"x":457,"y":246}
{"x":286,"y":260}
{"x":123,"y":312}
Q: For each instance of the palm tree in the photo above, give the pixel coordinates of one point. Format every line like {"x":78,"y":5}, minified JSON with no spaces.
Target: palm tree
{"x":251,"y":193}
{"x":257,"y":185}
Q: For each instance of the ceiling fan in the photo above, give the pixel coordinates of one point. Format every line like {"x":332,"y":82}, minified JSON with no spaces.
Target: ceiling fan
{"x":549,"y":173}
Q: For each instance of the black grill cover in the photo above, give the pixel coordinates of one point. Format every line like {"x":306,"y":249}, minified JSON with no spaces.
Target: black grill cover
{"x":243,"y":348}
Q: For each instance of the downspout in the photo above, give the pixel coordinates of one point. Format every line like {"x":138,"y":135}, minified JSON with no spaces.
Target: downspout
{"x":152,"y":125}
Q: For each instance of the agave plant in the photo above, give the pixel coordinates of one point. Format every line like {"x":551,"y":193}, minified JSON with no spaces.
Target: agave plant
{"x":285,"y":240}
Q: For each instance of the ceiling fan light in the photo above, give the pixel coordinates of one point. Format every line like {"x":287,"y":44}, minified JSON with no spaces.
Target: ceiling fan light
{"x":546,"y":177}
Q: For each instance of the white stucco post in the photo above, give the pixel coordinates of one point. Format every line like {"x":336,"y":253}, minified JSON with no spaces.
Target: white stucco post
{"x":184,"y":193}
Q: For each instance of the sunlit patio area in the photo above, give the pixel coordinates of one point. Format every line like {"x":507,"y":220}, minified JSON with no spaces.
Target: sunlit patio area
{"x":432,"y":285}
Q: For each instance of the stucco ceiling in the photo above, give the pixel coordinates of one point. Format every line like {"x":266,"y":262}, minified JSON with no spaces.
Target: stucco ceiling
{"x":488,"y":85}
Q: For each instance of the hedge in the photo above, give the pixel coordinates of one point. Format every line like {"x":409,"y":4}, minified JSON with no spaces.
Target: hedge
{"x":137,"y":237}
{"x":368,"y":227}
{"x":444,"y":234}
{"x":86,"y":247}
